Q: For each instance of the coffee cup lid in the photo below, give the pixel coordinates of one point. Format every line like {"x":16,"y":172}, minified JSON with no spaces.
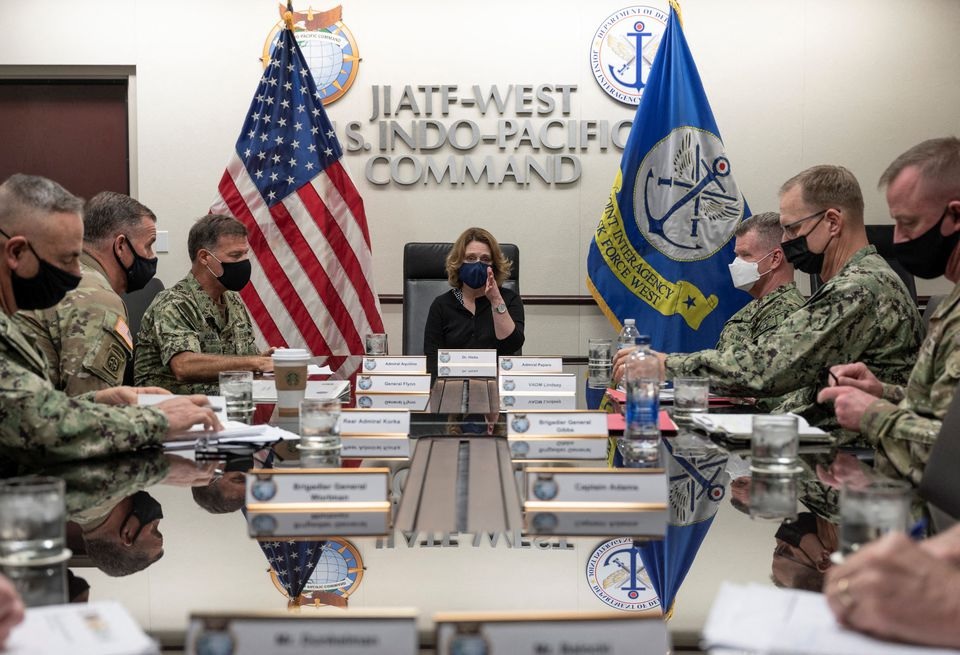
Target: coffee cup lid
{"x":285,"y":354}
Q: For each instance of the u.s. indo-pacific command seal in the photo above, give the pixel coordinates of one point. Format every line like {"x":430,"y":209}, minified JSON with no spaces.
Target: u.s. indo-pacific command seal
{"x":616,"y":576}
{"x":686,"y":202}
{"x":623,"y":48}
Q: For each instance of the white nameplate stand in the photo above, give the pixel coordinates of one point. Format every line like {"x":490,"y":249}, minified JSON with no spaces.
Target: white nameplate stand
{"x":583,"y":488}
{"x":535,"y":384}
{"x":509,"y":365}
{"x":597,"y":522}
{"x":467,"y":363}
{"x":621,"y":633}
{"x":317,"y":489}
{"x":300,"y":525}
{"x":393,"y":383}
{"x":354,"y":631}
{"x":383,"y":434}
{"x":414,"y":402}
{"x":552,"y":435}
{"x":564,"y":402}
{"x":408,"y":364}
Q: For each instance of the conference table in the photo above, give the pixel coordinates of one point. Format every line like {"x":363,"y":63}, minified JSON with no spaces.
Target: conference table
{"x":458,"y":539}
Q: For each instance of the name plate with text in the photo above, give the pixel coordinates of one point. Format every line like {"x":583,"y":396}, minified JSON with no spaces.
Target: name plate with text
{"x":557,"y":424}
{"x":354,"y":421}
{"x":526,"y":365}
{"x":414,"y":402}
{"x":536,"y":633}
{"x":358,"y":632}
{"x":551,"y":448}
{"x":294,"y":524}
{"x":466,"y":371}
{"x":306,"y":488}
{"x":597,"y":523}
{"x":565,"y":401}
{"x":467,"y":363}
{"x":374,"y":446}
{"x":538,"y":384}
{"x":639,"y":488}
{"x":409,"y":364}
{"x":393,"y":383}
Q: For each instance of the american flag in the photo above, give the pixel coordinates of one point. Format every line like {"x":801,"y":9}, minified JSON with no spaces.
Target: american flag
{"x":312,"y":283}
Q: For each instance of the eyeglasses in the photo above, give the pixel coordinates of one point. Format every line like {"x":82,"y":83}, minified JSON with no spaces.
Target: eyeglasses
{"x":473,"y":259}
{"x":790,"y":229}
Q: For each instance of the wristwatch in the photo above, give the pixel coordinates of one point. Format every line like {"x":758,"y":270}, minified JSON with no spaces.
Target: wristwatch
{"x":500,"y":309}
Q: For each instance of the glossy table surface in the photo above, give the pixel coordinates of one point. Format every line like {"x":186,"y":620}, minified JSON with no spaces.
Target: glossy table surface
{"x":210,"y":563}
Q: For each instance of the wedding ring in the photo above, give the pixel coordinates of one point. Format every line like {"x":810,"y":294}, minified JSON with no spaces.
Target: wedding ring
{"x":844,"y":597}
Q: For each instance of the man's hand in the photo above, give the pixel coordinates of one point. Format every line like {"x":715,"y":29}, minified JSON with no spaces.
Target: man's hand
{"x":845,"y":469}
{"x":187,"y":473}
{"x":621,"y":363}
{"x":894,"y":589}
{"x":264,"y":363}
{"x":856,"y":375}
{"x":183,"y":412}
{"x":849,"y":404}
{"x":126,"y":395}
{"x":11,"y":609}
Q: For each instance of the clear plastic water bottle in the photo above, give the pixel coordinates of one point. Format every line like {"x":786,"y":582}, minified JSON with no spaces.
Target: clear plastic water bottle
{"x":640,"y":445}
{"x":628,"y":335}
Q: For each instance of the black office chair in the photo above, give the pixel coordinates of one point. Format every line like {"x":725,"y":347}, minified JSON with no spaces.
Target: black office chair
{"x":425,"y":278}
{"x":137,"y":303}
{"x":880,"y":236}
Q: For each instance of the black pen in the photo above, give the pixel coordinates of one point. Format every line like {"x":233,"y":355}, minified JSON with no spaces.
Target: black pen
{"x":835,"y":380}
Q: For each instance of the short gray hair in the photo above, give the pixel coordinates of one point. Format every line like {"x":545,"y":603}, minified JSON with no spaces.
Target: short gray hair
{"x":766,"y":226}
{"x":827,"y":186}
{"x":938,"y":161}
{"x":108,"y":214}
{"x":29,"y":196}
{"x":206,"y":232}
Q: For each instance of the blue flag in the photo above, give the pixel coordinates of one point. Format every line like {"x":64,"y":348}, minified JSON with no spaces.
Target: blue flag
{"x":661,"y":249}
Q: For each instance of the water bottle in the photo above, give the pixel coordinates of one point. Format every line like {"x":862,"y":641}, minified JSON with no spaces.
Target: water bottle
{"x":628,"y":335}
{"x":640,"y":445}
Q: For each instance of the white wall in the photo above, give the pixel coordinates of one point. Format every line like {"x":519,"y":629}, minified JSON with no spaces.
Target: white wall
{"x":792,"y":84}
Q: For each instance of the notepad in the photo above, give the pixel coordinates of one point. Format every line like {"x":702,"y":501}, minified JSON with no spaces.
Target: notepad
{"x":739,"y":427}
{"x":100,"y":628}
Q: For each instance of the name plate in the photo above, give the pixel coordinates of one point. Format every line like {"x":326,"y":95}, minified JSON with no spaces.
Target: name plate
{"x":634,"y":488}
{"x":557,"y":424}
{"x":375,"y":446}
{"x":414,"y":402}
{"x":560,"y":402}
{"x":357,"y":632}
{"x":393,"y":383}
{"x":524,"y":365}
{"x":538,"y":384}
{"x":466,"y":371}
{"x":410,"y":364}
{"x":308,"y":488}
{"x":597,"y":523}
{"x":354,"y":421}
{"x":467,"y":358}
{"x":547,"y":448}
{"x":286,"y":525}
{"x":528,"y":633}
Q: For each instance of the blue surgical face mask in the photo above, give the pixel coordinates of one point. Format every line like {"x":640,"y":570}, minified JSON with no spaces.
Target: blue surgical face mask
{"x":474,"y":274}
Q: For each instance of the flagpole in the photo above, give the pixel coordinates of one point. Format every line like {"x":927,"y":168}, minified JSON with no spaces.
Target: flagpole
{"x":288,"y":15}
{"x":673,"y":3}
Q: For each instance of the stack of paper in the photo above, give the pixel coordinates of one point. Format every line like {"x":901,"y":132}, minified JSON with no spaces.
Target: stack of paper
{"x":740,"y":426}
{"x":233,"y":432}
{"x":102,"y":628}
{"x":265,"y":390}
{"x":763,"y":619}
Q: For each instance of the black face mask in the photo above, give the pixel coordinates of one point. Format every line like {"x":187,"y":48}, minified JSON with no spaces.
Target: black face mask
{"x":928,"y":254}
{"x":146,"y":508}
{"x":236,"y":275}
{"x":792,"y":533}
{"x":798,"y":253}
{"x":140,"y":271}
{"x":46,"y":288}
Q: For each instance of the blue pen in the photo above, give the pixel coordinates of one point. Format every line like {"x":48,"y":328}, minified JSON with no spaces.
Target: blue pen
{"x":919,"y":530}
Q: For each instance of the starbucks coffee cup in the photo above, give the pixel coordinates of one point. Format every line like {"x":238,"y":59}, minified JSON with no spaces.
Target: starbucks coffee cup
{"x":290,"y":376}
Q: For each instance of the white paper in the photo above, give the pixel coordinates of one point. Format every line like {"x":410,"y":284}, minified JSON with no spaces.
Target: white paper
{"x":765,"y":619}
{"x":741,"y":425}
{"x":236,"y":432}
{"x":265,"y":390}
{"x":217,"y":403}
{"x":101,"y":628}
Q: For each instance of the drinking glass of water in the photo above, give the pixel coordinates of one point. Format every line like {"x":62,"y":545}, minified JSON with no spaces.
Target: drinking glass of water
{"x":774,"y":495}
{"x":774,"y":444}
{"x":599,"y":362}
{"x":375,"y":344}
{"x":236,"y":387}
{"x":319,"y":432}
{"x":871,"y":511}
{"x":32,"y":519}
{"x":690,"y":396}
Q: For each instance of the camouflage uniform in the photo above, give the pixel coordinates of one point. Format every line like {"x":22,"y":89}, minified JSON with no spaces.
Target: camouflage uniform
{"x":903,"y":434}
{"x":85,"y":338}
{"x":39,"y":423}
{"x":863,"y":313}
{"x":183,"y":318}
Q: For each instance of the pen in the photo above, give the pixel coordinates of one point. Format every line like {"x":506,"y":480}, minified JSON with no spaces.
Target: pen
{"x":835,"y":380}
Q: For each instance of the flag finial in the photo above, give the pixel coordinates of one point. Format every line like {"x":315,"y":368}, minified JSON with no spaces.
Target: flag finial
{"x":676,"y":7}
{"x":288,"y":15}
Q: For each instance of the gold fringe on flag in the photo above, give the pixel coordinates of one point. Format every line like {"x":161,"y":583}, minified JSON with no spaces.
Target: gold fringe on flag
{"x":676,"y":7}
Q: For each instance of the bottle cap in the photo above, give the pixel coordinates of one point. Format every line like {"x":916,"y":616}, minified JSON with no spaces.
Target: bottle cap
{"x":629,"y":321}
